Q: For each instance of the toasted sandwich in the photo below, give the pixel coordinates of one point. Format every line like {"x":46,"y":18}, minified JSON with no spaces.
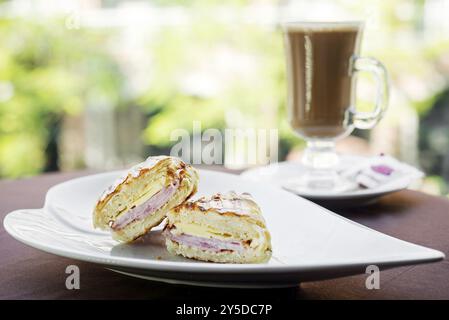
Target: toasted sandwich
{"x":141,"y":198}
{"x":225,"y":228}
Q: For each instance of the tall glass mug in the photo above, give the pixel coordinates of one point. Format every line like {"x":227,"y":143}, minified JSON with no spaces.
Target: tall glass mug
{"x":322,"y":61}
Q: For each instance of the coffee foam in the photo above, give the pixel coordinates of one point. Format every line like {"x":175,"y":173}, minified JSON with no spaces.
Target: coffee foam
{"x":322,"y":26}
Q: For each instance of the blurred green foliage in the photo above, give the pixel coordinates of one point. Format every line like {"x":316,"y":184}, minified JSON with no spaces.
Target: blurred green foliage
{"x":46,"y":71}
{"x":254,"y":97}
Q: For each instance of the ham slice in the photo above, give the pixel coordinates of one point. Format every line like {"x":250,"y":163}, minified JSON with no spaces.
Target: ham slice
{"x":145,"y":209}
{"x":210,"y":244}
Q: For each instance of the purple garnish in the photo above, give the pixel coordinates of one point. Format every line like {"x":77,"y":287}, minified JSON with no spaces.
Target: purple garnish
{"x":382,"y":169}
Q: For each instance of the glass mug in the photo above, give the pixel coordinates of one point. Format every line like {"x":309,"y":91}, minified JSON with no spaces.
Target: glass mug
{"x":322,"y":61}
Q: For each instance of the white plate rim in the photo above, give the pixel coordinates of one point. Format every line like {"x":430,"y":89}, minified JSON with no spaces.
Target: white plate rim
{"x":171,"y":266}
{"x":219,"y":268}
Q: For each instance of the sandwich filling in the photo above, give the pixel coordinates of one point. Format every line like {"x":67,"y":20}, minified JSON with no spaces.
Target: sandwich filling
{"x":209,"y":244}
{"x":147,"y":208}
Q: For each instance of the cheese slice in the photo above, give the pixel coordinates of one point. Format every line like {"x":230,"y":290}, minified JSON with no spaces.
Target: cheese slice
{"x":201,"y":231}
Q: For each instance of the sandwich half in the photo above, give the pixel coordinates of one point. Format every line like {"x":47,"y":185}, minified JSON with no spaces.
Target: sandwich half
{"x":140,"y":199}
{"x":225,"y":228}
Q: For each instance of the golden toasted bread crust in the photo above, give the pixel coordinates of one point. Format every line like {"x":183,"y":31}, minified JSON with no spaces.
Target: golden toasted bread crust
{"x":247,"y":256}
{"x":229,"y":204}
{"x":176,"y":169}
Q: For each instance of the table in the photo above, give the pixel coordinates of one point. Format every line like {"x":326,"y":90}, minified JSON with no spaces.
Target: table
{"x":27,"y":273}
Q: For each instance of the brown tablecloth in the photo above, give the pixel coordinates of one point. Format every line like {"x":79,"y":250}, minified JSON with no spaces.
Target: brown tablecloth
{"x":27,"y":273}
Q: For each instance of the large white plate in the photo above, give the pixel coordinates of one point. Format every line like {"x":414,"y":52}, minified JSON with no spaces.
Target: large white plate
{"x":277,"y":174}
{"x":309,"y":242}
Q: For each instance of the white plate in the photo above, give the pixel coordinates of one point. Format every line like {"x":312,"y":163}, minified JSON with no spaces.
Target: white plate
{"x":309,"y":242}
{"x":277,"y":174}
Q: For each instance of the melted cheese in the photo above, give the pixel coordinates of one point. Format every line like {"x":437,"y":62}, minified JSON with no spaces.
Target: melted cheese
{"x":202,"y":231}
{"x":153,"y":187}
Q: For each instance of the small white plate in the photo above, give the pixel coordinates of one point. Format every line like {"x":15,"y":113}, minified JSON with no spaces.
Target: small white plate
{"x":277,"y":174}
{"x":309,"y":242}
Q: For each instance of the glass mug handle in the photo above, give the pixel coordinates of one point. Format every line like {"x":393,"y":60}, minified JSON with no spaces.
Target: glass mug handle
{"x":367,"y":120}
